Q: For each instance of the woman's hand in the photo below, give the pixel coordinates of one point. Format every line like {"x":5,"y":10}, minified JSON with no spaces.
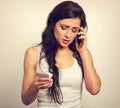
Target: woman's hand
{"x":83,"y":45}
{"x":42,"y":82}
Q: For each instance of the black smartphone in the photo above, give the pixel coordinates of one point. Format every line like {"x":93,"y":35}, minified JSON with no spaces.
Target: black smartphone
{"x":78,"y":40}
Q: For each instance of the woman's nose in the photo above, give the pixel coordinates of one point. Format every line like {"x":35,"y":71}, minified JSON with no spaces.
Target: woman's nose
{"x":68,"y":33}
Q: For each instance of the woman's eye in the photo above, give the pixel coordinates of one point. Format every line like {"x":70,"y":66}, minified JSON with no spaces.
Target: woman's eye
{"x":63,"y":27}
{"x":75,"y":30}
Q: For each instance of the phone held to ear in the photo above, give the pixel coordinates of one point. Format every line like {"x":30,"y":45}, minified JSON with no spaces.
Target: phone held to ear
{"x":78,"y":36}
{"x":78,"y":40}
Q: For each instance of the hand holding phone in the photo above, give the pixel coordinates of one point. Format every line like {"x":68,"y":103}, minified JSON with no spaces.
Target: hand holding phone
{"x":44,"y":80}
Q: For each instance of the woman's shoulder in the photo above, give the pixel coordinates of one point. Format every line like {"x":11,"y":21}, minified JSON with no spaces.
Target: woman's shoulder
{"x":31,"y":56}
{"x":31,"y":53}
{"x":32,"y":50}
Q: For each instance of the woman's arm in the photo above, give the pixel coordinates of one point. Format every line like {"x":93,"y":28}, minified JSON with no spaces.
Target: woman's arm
{"x":91,"y":78}
{"x":29,"y":91}
{"x":32,"y":83}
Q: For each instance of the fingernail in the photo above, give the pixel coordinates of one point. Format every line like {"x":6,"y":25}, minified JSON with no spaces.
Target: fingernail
{"x":51,"y":79}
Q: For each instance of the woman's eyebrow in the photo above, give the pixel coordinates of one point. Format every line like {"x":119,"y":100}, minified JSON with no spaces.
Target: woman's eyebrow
{"x":69,"y":26}
{"x":65,"y":25}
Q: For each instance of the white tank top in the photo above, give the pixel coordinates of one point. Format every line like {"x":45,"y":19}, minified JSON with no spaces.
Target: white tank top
{"x":70,"y":83}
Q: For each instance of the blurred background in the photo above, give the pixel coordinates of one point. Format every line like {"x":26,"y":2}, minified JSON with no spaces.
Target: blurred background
{"x":21,"y":25}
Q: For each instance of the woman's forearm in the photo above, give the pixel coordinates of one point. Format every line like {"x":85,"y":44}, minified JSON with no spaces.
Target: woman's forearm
{"x":91,"y":78}
{"x":29,"y":95}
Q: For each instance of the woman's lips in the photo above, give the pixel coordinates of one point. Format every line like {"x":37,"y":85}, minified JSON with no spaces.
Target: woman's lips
{"x":65,"y":41}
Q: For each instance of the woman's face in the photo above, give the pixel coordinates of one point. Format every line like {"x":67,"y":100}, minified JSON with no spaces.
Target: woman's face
{"x":66,"y":30}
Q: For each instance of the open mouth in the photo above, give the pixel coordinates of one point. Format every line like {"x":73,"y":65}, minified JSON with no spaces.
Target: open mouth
{"x":65,"y":41}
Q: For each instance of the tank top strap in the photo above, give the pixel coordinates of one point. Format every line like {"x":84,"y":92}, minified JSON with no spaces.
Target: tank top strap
{"x":38,"y":54}
{"x":39,"y":49}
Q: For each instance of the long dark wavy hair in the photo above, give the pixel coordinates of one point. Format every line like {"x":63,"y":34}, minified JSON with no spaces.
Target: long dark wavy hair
{"x":66,"y":9}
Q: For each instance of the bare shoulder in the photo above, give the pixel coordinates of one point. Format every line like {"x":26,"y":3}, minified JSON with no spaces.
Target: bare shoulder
{"x":31,"y":55}
{"x":31,"y":51}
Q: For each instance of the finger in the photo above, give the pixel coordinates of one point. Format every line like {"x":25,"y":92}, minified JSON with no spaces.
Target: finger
{"x":43,"y":79}
{"x":50,"y":84}
{"x":40,"y":78}
{"x":45,"y":86}
{"x":81,"y":33}
{"x":82,"y":37}
{"x":83,"y":29}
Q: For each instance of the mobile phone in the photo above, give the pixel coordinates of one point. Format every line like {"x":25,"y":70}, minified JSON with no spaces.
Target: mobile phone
{"x":44,"y":74}
{"x":78,"y":40}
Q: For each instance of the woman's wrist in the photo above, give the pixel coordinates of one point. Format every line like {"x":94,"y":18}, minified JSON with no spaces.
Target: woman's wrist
{"x":83,"y":52}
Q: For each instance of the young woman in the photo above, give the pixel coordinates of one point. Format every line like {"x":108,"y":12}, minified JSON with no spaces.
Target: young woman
{"x":63,"y":56}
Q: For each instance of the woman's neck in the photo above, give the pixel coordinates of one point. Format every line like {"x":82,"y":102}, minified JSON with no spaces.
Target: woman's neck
{"x":64,"y":58}
{"x":64,"y":52}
